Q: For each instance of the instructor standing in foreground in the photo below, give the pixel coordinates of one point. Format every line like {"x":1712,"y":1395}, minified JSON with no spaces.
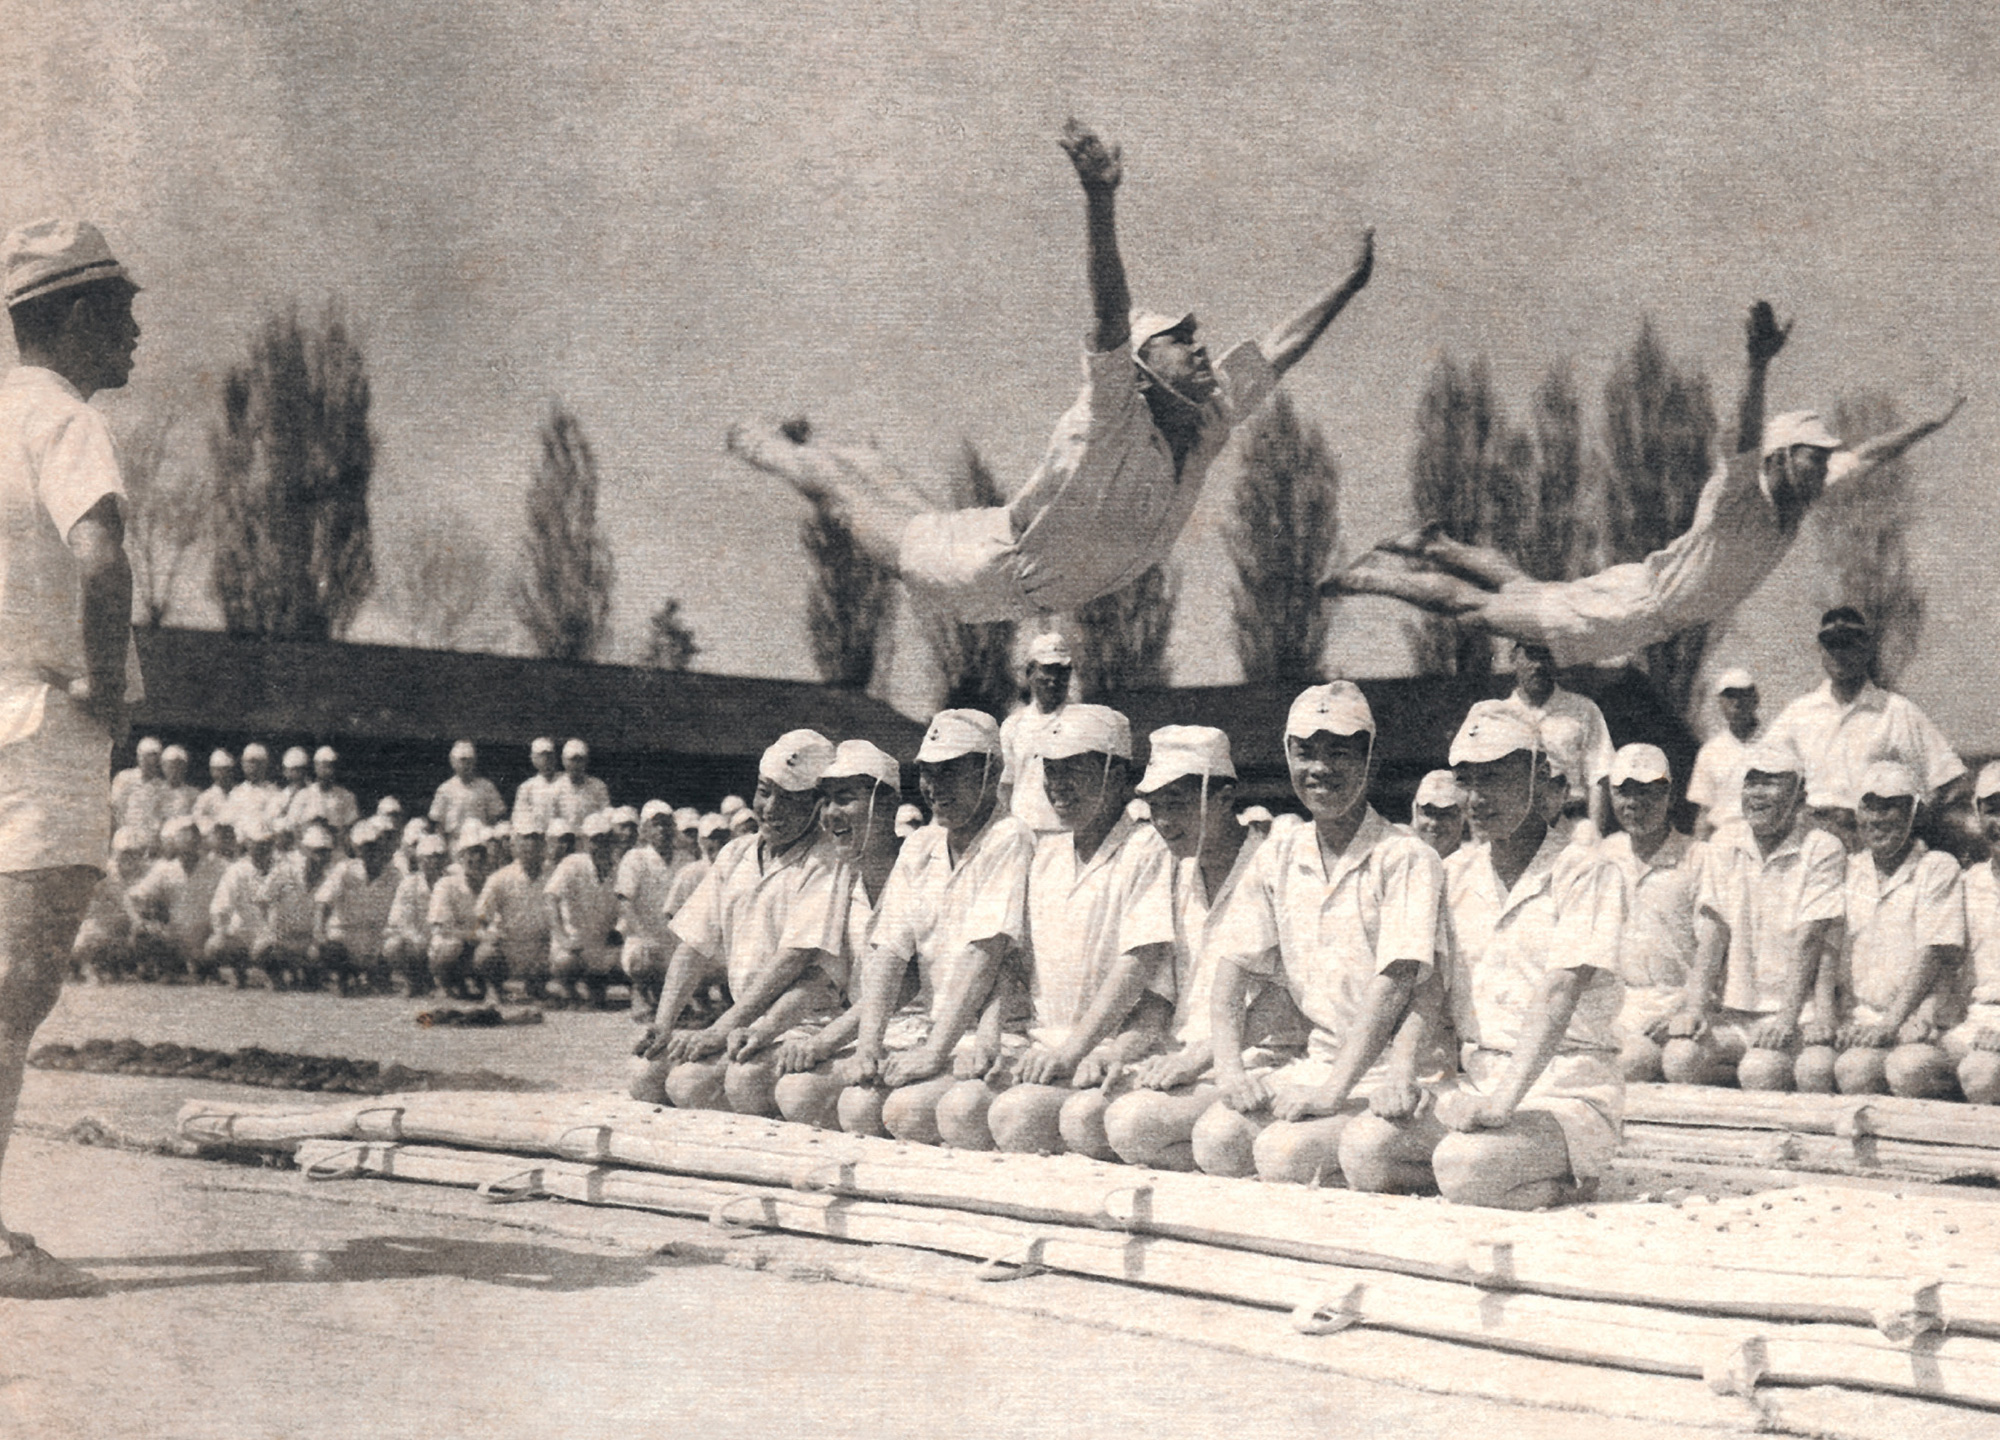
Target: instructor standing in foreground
{"x":67,"y":670}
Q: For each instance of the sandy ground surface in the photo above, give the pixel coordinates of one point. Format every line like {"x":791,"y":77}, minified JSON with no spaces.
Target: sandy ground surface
{"x":246,"y":1303}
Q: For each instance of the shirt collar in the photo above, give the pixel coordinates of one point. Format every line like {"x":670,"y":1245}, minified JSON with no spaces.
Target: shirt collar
{"x":1107,"y":849}
{"x":1311,"y":857}
{"x":1903,"y":873}
{"x":1870,"y":697}
{"x":1535,"y":879}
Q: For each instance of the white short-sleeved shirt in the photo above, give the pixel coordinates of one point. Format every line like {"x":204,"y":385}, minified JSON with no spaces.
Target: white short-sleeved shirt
{"x":1768,"y":902}
{"x":1716,"y":782}
{"x":1891,"y":918}
{"x":933,"y":910}
{"x":576,"y":801}
{"x":1839,"y":742}
{"x":514,"y":910}
{"x":1021,"y":766}
{"x":286,"y":900}
{"x":1328,"y":930}
{"x":1598,"y":751}
{"x":453,"y":913}
{"x":236,"y":909}
{"x":1081,"y":918}
{"x":456,"y":802}
{"x":1107,"y":501}
{"x":254,"y":804}
{"x":535,"y":802}
{"x":1567,"y":910}
{"x":333,"y":806}
{"x":1663,"y":893}
{"x":1982,"y":934}
{"x":410,"y":911}
{"x":583,"y":905}
{"x":210,"y":806}
{"x":357,"y":907}
{"x":751,"y":908}
{"x":644,"y":877}
{"x":1198,"y":918}
{"x":139,"y":802}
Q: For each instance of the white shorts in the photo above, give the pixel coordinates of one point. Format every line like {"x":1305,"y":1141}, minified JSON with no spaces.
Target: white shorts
{"x":55,"y":792}
{"x":965,"y":562}
{"x":1583,"y":1092}
{"x":1595,"y":618}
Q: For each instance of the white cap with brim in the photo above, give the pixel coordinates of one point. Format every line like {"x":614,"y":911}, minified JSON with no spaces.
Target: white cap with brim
{"x":431,"y":845}
{"x":471,"y":833}
{"x":1439,"y":791}
{"x":366,"y":832}
{"x":1179,"y":750}
{"x":712,"y":823}
{"x":1049,"y":648}
{"x":151,"y":745}
{"x":317,"y":837}
{"x":575,"y":750}
{"x":255,"y":751}
{"x":1253,"y":815}
{"x":687,"y":818}
{"x":625,"y":815}
{"x":416,"y":830}
{"x":45,"y":256}
{"x":388,"y":805}
{"x":560,"y":829}
{"x":1988,"y":780}
{"x":173,"y":753}
{"x":655,"y":807}
{"x":541,"y":745}
{"x":796,"y":760}
{"x":596,"y":825}
{"x":1337,"y":706}
{"x":530,"y":825}
{"x":1645,"y":764}
{"x":1148,"y":323}
{"x":463,"y":750}
{"x":221,"y":760}
{"x":953,"y":733}
{"x":1736,"y":679}
{"x":743,"y":821}
{"x":1086,"y":730}
{"x":1771,"y":756}
{"x":296,"y":758}
{"x":1798,"y":427}
{"x":1493,"y":730}
{"x":857,"y":759}
{"x":730,"y":805}
{"x":909,"y":819}
{"x":326,"y":755}
{"x":178,"y":826}
{"x":1890,"y":780}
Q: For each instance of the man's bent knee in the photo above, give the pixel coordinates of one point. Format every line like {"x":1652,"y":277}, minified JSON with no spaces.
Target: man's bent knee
{"x":1026,"y":1119}
{"x":1225,"y":1141}
{"x":962,"y":1115}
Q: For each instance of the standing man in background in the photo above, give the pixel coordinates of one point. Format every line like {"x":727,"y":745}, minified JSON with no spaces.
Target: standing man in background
{"x":1021,"y":793}
{"x":67,"y":666}
{"x":1716,"y":784}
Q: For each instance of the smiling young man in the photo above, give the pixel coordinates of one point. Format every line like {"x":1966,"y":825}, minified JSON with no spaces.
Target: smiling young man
{"x":954,"y":912}
{"x":1905,"y":943}
{"x":1535,"y":927}
{"x":1121,"y":475}
{"x":1343,"y":913}
{"x":1100,"y":944}
{"x":769,"y":917}
{"x":1777,"y":887}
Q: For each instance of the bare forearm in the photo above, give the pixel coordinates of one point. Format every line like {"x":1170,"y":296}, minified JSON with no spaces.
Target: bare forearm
{"x":1288,"y":344}
{"x":685,"y":971}
{"x":1750,"y":407}
{"x":1711,"y":952}
{"x":1555,"y":1002}
{"x":1919,"y":982}
{"x":1819,"y":943}
{"x":1116,"y":997}
{"x":1225,"y":1019}
{"x":968,"y":987}
{"x":105,"y":584}
{"x":1110,"y":298}
{"x":1384,"y":1005}
{"x":1883,"y":448}
{"x":877,"y":995}
{"x":764,"y":989}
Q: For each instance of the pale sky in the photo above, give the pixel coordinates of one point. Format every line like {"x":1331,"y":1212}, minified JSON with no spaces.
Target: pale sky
{"x":674,"y":215}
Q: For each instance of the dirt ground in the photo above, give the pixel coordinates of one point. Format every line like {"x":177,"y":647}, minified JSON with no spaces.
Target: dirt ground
{"x":246,"y":1303}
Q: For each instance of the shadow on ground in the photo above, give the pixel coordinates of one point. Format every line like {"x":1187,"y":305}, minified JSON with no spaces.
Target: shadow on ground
{"x":381,"y":1257}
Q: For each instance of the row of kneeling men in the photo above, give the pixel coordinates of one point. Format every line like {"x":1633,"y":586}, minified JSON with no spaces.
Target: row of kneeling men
{"x":570,"y":906}
{"x":1343,"y":997}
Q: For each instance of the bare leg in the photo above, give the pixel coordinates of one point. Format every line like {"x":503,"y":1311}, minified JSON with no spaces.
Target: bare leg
{"x":40,"y":911}
{"x":861,"y":487}
{"x":1523,"y":1165}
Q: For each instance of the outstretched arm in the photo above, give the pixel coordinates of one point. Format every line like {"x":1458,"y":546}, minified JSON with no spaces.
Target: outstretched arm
{"x":1287,"y":345}
{"x":1099,"y":168}
{"x":1883,"y":448}
{"x":1763,"y":338}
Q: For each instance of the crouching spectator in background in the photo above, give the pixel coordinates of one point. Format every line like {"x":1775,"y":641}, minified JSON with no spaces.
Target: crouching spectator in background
{"x":454,"y":915}
{"x":1974,"y":1044}
{"x":355,"y":903}
{"x":406,"y":944}
{"x":104,"y":941}
{"x":583,"y":908}
{"x":514,"y":917}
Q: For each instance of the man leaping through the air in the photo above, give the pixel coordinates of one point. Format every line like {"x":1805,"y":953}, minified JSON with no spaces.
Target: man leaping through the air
{"x":1745,"y":521}
{"x":1121,"y":474}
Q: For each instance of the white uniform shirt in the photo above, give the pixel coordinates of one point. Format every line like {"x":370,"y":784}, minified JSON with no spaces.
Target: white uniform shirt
{"x":332,"y":806}
{"x":751,"y":908}
{"x":576,"y":801}
{"x":1197,"y":920}
{"x":1838,"y":742}
{"x":210,"y":806}
{"x":583,"y":908}
{"x":514,"y":912}
{"x":1081,"y":918}
{"x":1328,"y":932}
{"x":453,"y":913}
{"x":1106,"y":501}
{"x":1982,"y":935}
{"x":1598,"y":751}
{"x":1716,"y":782}
{"x":139,"y":802}
{"x":535,"y":802}
{"x":642,"y":882}
{"x":260,"y":804}
{"x":236,"y":911}
{"x":1566,"y":910}
{"x":1021,"y":766}
{"x":357,"y":907}
{"x":410,"y":911}
{"x":1768,"y":902}
{"x":287,"y":902}
{"x":1890,"y":919}
{"x":456,"y":802}
{"x":1663,"y":893}
{"x":932,"y":910}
